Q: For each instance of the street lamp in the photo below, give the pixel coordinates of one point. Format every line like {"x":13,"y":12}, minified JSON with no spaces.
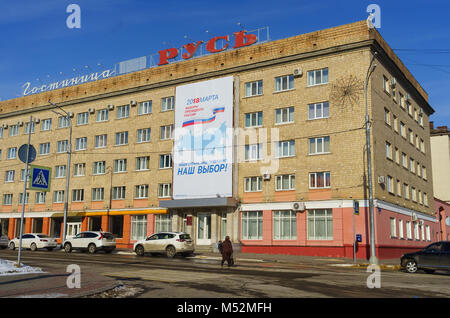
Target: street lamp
{"x":69,"y":152}
{"x":373,"y":259}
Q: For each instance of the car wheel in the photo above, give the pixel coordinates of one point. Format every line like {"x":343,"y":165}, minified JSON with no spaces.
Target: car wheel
{"x":67,"y":248}
{"x":12,"y":246}
{"x":170,"y":251}
{"x":429,"y":271}
{"x":139,"y":250}
{"x":33,"y":247}
{"x":411,"y":266}
{"x":92,"y":248}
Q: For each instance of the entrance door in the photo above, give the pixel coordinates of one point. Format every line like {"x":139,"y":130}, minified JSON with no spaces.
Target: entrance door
{"x":204,"y":229}
{"x":73,"y":229}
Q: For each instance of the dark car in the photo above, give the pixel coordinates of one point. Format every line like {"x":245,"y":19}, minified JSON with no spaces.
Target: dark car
{"x":435,"y":256}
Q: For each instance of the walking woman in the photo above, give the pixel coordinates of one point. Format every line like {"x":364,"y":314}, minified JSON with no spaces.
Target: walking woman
{"x":227,"y":251}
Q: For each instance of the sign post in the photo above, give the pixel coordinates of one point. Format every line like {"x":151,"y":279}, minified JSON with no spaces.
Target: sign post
{"x":355,"y":212}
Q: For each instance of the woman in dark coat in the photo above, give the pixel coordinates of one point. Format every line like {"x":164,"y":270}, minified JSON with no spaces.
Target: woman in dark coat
{"x":227,"y":251}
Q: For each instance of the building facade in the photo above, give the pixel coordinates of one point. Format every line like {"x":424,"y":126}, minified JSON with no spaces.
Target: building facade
{"x":293,"y":187}
{"x":440,"y":155}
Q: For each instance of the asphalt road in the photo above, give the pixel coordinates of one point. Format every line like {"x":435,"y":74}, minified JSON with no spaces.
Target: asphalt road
{"x":160,"y":277}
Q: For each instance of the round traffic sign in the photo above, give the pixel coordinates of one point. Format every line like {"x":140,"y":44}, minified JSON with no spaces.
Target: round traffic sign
{"x":23,"y":153}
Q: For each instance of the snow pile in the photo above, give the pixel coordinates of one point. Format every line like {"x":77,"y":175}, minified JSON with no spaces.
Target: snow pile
{"x":7,"y":268}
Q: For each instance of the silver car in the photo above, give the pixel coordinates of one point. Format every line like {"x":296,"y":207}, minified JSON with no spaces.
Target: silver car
{"x":91,"y":241}
{"x":34,"y":241}
{"x":168,"y":243}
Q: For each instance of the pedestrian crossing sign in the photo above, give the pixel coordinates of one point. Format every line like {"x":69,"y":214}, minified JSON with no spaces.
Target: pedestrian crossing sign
{"x":40,"y":178}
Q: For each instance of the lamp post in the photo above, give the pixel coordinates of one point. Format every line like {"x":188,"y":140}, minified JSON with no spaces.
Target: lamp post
{"x":69,"y":152}
{"x":373,"y":259}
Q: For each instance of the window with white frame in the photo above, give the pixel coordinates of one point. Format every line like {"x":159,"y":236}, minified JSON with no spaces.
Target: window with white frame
{"x":412,"y":167}
{"x":406,"y":191}
{"x":419,"y":169}
{"x":400,"y":229}
{"x":284,"y":115}
{"x":408,"y":230}
{"x":120,"y":165}
{"x":138,"y":227}
{"x":319,"y":180}
{"x":83,"y":118}
{"x":12,"y":152}
{"x":122,"y":138}
{"x":163,"y":223}
{"x":79,"y":169}
{"x":46,"y":124}
{"x":44,"y":149}
{"x":387,"y":116}
{"x":393,"y":227}
{"x":27,"y":198}
{"x":425,"y":199}
{"x":62,"y":146}
{"x":60,"y":171}
{"x":284,"y":83}
{"x":118,"y":193}
{"x":254,"y":88}
{"x":428,"y":233}
{"x":40,"y":197}
{"x":7,"y":199}
{"x":411,"y":136}
{"x":285,"y":182}
{"x":419,"y":196}
{"x":123,"y":111}
{"x":101,"y":141}
{"x":27,"y":128}
{"x":402,"y":100}
{"x":404,"y":160}
{"x":319,"y":110}
{"x":422,"y":232}
{"x":9,"y":175}
{"x":164,"y":190}
{"x":388,"y":150}
{"x":397,"y":155}
{"x":319,"y":145}
{"x":390,"y":184}
{"x":253,"y":184}
{"x":141,"y":191}
{"x":395,"y":123}
{"x":63,"y":122}
{"x":253,"y":119}
{"x":98,"y":194}
{"x":102,"y":115}
{"x":320,"y":224}
{"x":78,"y":195}
{"x":424,"y":173}
{"x":413,"y":194}
{"x":252,"y":225}
{"x":416,"y":231}
{"x":142,"y":163}
{"x":318,"y":77}
{"x":284,"y":225}
{"x":58,"y":196}
{"x":22,"y":174}
{"x":285,"y":149}
{"x":145,"y":108}
{"x":165,"y":161}
{"x":167,"y":103}
{"x":99,"y":167}
{"x":422,"y":145}
{"x":143,"y":135}
{"x":166,"y":132}
{"x":386,"y":85}
{"x":13,"y":130}
{"x":402,"y":130}
{"x":253,"y":152}
{"x":399,"y":188}
{"x":81,"y":143}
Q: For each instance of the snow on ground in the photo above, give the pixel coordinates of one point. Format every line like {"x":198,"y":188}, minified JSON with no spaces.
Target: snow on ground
{"x":7,"y":268}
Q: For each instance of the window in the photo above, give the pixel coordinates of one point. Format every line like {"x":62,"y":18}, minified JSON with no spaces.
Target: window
{"x":13,"y":130}
{"x":428,"y":233}
{"x":416,"y":231}
{"x":163,"y":223}
{"x":7,"y":199}
{"x":83,"y":118}
{"x":40,"y":197}
{"x":406,"y":191}
{"x":399,"y":188}
{"x":421,"y":119}
{"x":46,"y":124}
{"x":284,"y":115}
{"x":284,"y":225}
{"x":417,"y":142}
{"x":393,"y":228}
{"x":400,"y":229}
{"x":387,"y":116}
{"x":284,"y":83}
{"x":9,"y":175}
{"x":145,"y":108}
{"x":164,"y":190}
{"x":165,"y":161}
{"x":101,"y":141}
{"x":386,"y":84}
{"x":22,"y":175}
{"x":425,"y":199}
{"x":397,"y":155}
{"x":285,"y":182}
{"x":102,"y":115}
{"x":123,"y":111}
{"x":44,"y":149}
{"x":27,"y":198}
{"x":395,"y":123}
{"x":63,"y":122}
{"x":254,"y":88}
{"x":58,"y":196}
{"x":79,"y":169}
{"x":402,"y":100}
{"x":141,"y":191}
{"x":420,"y":197}
{"x":138,"y":227}
{"x":12,"y":153}
{"x":404,"y":160}
{"x":319,"y":145}
{"x":62,"y":146}
{"x":143,"y":135}
{"x":252,"y":225}
{"x":388,"y":150}
{"x":402,"y":130}
{"x":253,"y":184}
{"x":98,"y":194}
{"x":408,"y":230}
{"x":320,"y":224}
{"x":118,"y":193}
{"x":390,"y":184}
{"x":77,"y":195}
{"x":166,"y":132}
{"x":167,"y":103}
{"x":318,"y":77}
{"x":253,"y":119}
{"x":422,"y":231}
{"x":319,"y":180}
{"x":142,"y":163}
{"x":413,"y":194}
{"x":99,"y":167}
{"x":27,"y":128}
{"x":285,"y":149}
{"x":223,"y":224}
{"x":422,"y":145}
{"x":418,"y":169}
{"x":412,"y":167}
{"x":120,"y":165}
{"x":319,"y":110}
{"x":80,"y":143}
{"x":424,"y":173}
{"x":409,"y":108}
{"x":253,"y":152}
{"x":411,"y":136}
{"x":121,"y":138}
{"x":60,"y":171}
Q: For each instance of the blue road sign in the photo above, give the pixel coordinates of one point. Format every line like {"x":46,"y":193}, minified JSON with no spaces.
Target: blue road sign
{"x":23,"y":153}
{"x":40,"y":178}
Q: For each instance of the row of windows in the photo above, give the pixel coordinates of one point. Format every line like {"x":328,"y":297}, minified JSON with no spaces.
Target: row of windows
{"x":420,"y":232}
{"x":413,"y":166}
{"x":317,"y":180}
{"x":407,"y":191}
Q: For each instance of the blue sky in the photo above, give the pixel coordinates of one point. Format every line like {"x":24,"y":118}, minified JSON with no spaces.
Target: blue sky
{"x":35,"y":42}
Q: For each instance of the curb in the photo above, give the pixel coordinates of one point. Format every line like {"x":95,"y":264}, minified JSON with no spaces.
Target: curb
{"x":365,"y":266}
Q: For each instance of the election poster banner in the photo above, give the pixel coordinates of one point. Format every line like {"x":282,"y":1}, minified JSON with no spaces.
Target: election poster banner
{"x":203,"y":140}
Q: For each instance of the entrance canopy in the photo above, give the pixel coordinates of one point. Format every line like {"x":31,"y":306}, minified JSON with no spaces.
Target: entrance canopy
{"x":198,"y":203}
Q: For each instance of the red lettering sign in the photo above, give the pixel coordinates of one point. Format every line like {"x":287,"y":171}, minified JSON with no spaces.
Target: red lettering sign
{"x":191,"y":48}
{"x":211,"y":45}
{"x":165,"y":55}
{"x":241,"y":37}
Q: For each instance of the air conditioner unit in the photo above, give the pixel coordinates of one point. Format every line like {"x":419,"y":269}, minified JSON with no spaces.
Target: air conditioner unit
{"x":37,"y":120}
{"x":110,"y":107}
{"x":393,"y":81}
{"x":381,"y":179}
{"x":266,"y":177}
{"x":407,"y":97}
{"x":20,"y":123}
{"x":414,"y":217}
{"x":298,"y":72}
{"x":298,"y":206}
{"x":133,"y":103}
{"x":70,"y":114}
{"x":91,"y":110}
{"x":5,"y":126}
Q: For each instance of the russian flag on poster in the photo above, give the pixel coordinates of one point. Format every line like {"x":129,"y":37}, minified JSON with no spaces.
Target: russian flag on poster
{"x":204,"y":121}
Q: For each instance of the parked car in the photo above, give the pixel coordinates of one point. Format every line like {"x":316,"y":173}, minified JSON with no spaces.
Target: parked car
{"x":435,"y":256}
{"x":34,"y":241}
{"x":92,"y":241}
{"x":168,"y":243}
{"x":4,"y":241}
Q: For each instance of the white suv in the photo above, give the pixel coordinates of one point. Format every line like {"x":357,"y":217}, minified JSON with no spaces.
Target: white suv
{"x":90,"y":241}
{"x":169,"y":243}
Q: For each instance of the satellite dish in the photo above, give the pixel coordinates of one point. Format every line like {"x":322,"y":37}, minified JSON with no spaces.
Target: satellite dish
{"x":23,"y":153}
